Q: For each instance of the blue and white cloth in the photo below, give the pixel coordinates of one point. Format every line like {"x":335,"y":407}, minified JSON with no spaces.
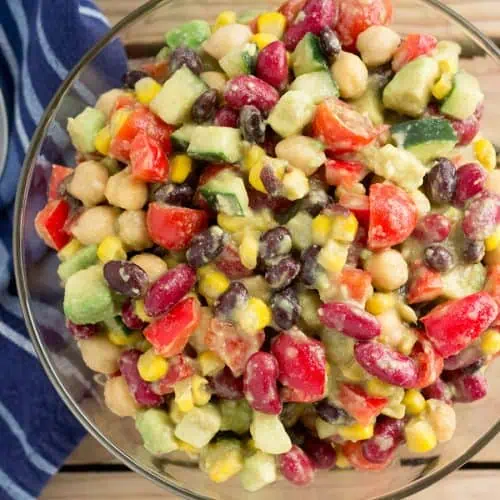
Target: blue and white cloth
{"x":40,"y":42}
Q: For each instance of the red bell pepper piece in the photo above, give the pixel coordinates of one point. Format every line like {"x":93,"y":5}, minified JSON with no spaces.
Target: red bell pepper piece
{"x":344,"y":173}
{"x":50,"y":224}
{"x":180,"y":367}
{"x":355,"y":285}
{"x":430,"y":363}
{"x":413,"y":46}
{"x":425,"y":284}
{"x":359,"y":404}
{"x":57,"y":175}
{"x":148,"y":161}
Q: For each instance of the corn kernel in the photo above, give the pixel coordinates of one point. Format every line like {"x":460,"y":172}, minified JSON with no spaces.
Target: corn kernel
{"x":152,"y":367}
{"x":226,"y":466}
{"x":118,"y":119}
{"x":356,"y":431}
{"x":341,"y":461}
{"x":120,"y":338}
{"x":175,"y":413}
{"x":254,"y":178}
{"x":205,"y":270}
{"x":491,"y":243}
{"x":490,"y":342}
{"x":448,"y":66}
{"x":224,"y":18}
{"x":407,"y":342}
{"x":213,"y":284}
{"x":443,"y":86}
{"x":141,"y":312}
{"x":344,"y":228}
{"x":249,"y":249}
{"x":69,"y":250}
{"x":210,"y":363}
{"x":295,"y":184}
{"x":201,"y":392}
{"x":254,"y":155}
{"x":231,"y":223}
{"x":420,"y":437}
{"x":375,"y":387}
{"x":273,"y":23}
{"x":333,"y":256}
{"x":103,"y":140}
{"x":255,"y":316}
{"x":414,"y":402}
{"x":180,"y":167}
{"x":320,"y":229}
{"x":485,"y":153}
{"x":379,"y":303}
{"x":146,"y":89}
{"x":184,"y":394}
{"x":396,"y":410}
{"x":262,"y":40}
{"x":111,"y":248}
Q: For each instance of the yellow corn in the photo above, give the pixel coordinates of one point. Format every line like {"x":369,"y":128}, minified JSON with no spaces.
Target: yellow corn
{"x":111,"y":248}
{"x":103,"y":140}
{"x":491,"y":243}
{"x":341,"y":461}
{"x":231,"y":223}
{"x":120,"y":338}
{"x":379,"y":303}
{"x":184,"y":395}
{"x":485,"y":153}
{"x":295,"y":184}
{"x":175,"y":413}
{"x":320,"y":229}
{"x":356,"y":431}
{"x":180,"y":167}
{"x":210,"y":363}
{"x":407,"y":342}
{"x":344,"y":228}
{"x":146,"y":89}
{"x":200,"y":390}
{"x":69,"y":249}
{"x":490,"y":342}
{"x":254,"y":155}
{"x":249,"y":249}
{"x":118,"y":119}
{"x":213,"y":284}
{"x":262,"y":40}
{"x":333,"y":256}
{"x":205,"y":270}
{"x":420,"y":437}
{"x":226,"y":466}
{"x":255,"y":316}
{"x":141,"y":312}
{"x":254,"y":177}
{"x":224,"y":18}
{"x":414,"y":402}
{"x":272,"y":22}
{"x":152,"y":367}
{"x":375,"y":387}
{"x":448,"y":66}
{"x":443,"y":86}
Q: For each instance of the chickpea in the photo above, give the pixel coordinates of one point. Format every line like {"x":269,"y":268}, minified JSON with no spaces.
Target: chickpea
{"x":421,"y":201}
{"x":89,"y":182}
{"x":106,"y":101}
{"x":95,"y":224}
{"x":118,"y":398}
{"x":152,"y":265}
{"x":442,"y":418}
{"x":100,"y":355}
{"x":351,"y":75}
{"x":493,"y":181}
{"x":214,"y":80}
{"x":133,"y":231}
{"x":377,"y":45}
{"x":125,"y":192}
{"x":227,"y":38}
{"x":388,"y":269}
{"x":392,"y":329}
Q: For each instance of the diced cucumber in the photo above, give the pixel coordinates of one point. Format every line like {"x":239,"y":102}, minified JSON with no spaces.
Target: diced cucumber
{"x":339,"y":347}
{"x":199,"y":425}
{"x":325,"y":429}
{"x":318,"y":85}
{"x":87,"y":298}
{"x":157,"y":431}
{"x":463,"y":280}
{"x":310,"y":302}
{"x":300,"y":230}
{"x":218,"y":144}
{"x":178,"y":94}
{"x":222,"y":460}
{"x":292,"y":113}
{"x":240,"y":60}
{"x":449,"y":52}
{"x":427,"y":139}
{"x":84,"y":127}
{"x":464,"y":98}
{"x":85,"y":257}
{"x":269,"y":434}
{"x":182,"y":136}
{"x":409,"y":92}
{"x":259,"y":470}
{"x":236,"y":415}
{"x":191,"y":34}
{"x":308,"y":56}
{"x":304,"y":153}
{"x":370,"y":103}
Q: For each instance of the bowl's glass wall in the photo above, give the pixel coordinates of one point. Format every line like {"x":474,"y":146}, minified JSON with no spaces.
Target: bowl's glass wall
{"x":83,"y":392}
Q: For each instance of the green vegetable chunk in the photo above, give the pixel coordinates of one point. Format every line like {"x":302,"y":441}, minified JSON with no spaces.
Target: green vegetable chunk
{"x":85,"y":257}
{"x":84,"y":127}
{"x":308,"y":56}
{"x":191,"y":34}
{"x":464,"y":98}
{"x":218,"y":144}
{"x":318,"y":85}
{"x":157,"y":431}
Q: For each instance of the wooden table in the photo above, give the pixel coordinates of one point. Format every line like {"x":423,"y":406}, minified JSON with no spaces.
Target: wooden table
{"x":91,"y":473}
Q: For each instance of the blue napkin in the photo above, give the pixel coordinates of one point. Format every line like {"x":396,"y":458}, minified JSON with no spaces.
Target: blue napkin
{"x":40,"y":42}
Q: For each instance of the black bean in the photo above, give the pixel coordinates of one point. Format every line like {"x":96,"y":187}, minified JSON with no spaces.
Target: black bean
{"x":438,"y":257}
{"x":285,"y":308}
{"x":130,"y":78}
{"x":473,"y":251}
{"x":234,"y":297}
{"x":310,"y":266}
{"x":184,"y":56}
{"x":126,"y":278}
{"x":331,"y":414}
{"x":174,"y":194}
{"x":329,"y":43}
{"x":252,"y":125}
{"x":441,"y":181}
{"x":282,"y":272}
{"x":204,"y":107}
{"x":270,"y":180}
{"x":316,"y":200}
{"x":205,"y":246}
{"x":275,"y":243}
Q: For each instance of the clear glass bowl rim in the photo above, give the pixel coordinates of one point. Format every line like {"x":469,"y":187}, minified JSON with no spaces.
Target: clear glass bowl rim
{"x":22,"y":283}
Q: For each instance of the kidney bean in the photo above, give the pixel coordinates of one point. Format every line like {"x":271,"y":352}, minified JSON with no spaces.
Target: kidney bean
{"x":310,"y":266}
{"x":272,"y":65}
{"x":206,"y":246}
{"x":473,"y":251}
{"x":285,"y":308}
{"x":350,"y":320}
{"x":469,"y":387}
{"x":329,"y":43}
{"x":321,"y":453}
{"x":281,"y":273}
{"x":440,"y":183}
{"x":388,"y":434}
{"x":296,"y":466}
{"x":388,"y":365}
{"x":130,"y":78}
{"x":482,"y":215}
{"x":174,"y":194}
{"x":274,"y":243}
{"x":252,"y":126}
{"x":246,"y":90}
{"x":439,"y":258}
{"x":467,"y":129}
{"x":226,"y":386}
{"x":332,"y":414}
{"x":130,"y":318}
{"x":234,"y":297}
{"x":227,"y":117}
{"x":204,"y":107}
{"x":168,"y":289}
{"x":438,"y":390}
{"x":184,"y":56}
{"x":470,"y":181}
{"x":464,"y":358}
{"x":139,"y":388}
{"x":126,"y":278}
{"x":81,"y":332}
{"x":432,"y":228}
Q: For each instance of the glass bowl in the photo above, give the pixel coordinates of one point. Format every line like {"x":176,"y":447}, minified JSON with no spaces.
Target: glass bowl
{"x":41,"y":294}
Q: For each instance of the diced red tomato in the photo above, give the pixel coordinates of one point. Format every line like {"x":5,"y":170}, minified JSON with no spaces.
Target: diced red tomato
{"x":148,"y":161}
{"x":157,"y":70}
{"x":291,"y":8}
{"x":430,"y":363}
{"x":50,"y":224}
{"x":57,"y":175}
{"x":359,"y":404}
{"x":170,"y":334}
{"x":413,"y":46}
{"x":341,"y":127}
{"x":354,"y":454}
{"x":454,"y":325}
{"x":344,"y":173}
{"x":355,"y":16}
{"x":229,"y":262}
{"x":492,"y":285}
{"x":425,"y":284}
{"x":232,"y":345}
{"x":174,"y":227}
{"x":355,"y":284}
{"x":180,"y":367}
{"x":359,"y":205}
{"x":393,"y":216}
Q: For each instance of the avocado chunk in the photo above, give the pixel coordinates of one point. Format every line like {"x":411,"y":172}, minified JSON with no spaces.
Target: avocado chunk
{"x":218,"y":144}
{"x":409,"y":92}
{"x":308,"y":56}
{"x":222,"y":460}
{"x":240,"y":60}
{"x":157,"y":431}
{"x":199,"y":425}
{"x":85,"y":257}
{"x":300,"y":230}
{"x":463,"y":280}
{"x":87,"y":298}
{"x":259,"y":470}
{"x":84,"y":127}
{"x":182,"y":136}
{"x":236,"y":415}
{"x":191,"y":34}
{"x":464,"y":98}
{"x":318,"y":85}
{"x":370,"y":103}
